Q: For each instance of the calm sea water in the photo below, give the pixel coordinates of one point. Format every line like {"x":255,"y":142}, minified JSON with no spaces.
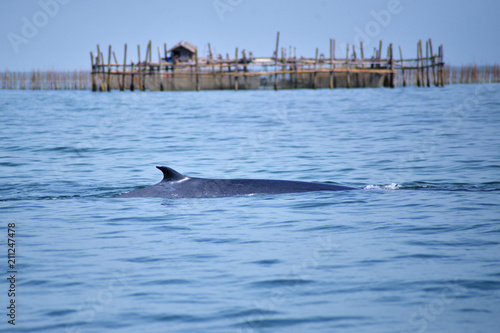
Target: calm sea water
{"x":416,"y":249}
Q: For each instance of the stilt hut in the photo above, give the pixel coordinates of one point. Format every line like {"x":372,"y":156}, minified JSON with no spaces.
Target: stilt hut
{"x":183,"y":52}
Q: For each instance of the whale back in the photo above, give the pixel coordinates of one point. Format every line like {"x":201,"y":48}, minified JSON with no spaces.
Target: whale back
{"x":176,"y":185}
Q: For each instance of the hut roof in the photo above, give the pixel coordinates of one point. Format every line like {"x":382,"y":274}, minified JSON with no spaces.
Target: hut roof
{"x":184,"y":44}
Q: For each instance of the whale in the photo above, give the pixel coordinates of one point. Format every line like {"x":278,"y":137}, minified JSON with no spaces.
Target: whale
{"x":177,"y":185}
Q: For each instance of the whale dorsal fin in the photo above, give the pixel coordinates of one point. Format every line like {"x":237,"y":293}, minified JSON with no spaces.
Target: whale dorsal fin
{"x":170,"y":174}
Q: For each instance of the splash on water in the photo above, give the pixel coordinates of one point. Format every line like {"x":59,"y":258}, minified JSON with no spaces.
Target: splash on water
{"x":390,"y":187}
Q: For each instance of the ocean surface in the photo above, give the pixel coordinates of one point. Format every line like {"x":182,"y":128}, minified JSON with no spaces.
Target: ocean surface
{"x":415,"y":249}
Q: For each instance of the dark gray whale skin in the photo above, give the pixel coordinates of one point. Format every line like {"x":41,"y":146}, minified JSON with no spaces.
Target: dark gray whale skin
{"x":176,"y":185}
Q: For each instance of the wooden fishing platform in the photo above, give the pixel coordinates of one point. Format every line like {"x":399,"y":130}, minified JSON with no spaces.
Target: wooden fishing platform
{"x":180,"y":68}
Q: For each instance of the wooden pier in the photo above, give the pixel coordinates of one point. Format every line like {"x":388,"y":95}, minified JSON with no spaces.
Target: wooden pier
{"x":244,"y":71}
{"x":81,"y":80}
{"x":180,"y":68}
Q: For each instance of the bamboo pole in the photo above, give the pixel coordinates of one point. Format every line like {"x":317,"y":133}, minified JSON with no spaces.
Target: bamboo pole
{"x":103,"y":80}
{"x":402,"y":66}
{"x":433,"y":64}
{"x":108,"y":77}
{"x":197,"y":71}
{"x":132,"y":75}
{"x":99,"y":69}
{"x":245,"y":68}
{"x":422,"y":71}
{"x":427,"y":63}
{"x":362,"y":53}
{"x":422,"y":62}
{"x":97,"y":62}
{"x":173,"y":75}
{"x":236,"y":70}
{"x":438,"y":69}
{"x":296,"y":70}
{"x":145,"y":67}
{"x":441,"y":60}
{"x":124,"y":67}
{"x":139,"y":71}
{"x":150,"y":51}
{"x":348,"y":78}
{"x":392,"y":82}
{"x":334,"y":53}
{"x":221,"y":71}
{"x":276,"y":62}
{"x":283,"y":64}
{"x":418,"y":65}
{"x":147,"y":61}
{"x":315,"y":70}
{"x":94,"y":83}
{"x":159,"y":69}
{"x":331,"y":63}
{"x":379,"y":51}
{"x":210,"y":54}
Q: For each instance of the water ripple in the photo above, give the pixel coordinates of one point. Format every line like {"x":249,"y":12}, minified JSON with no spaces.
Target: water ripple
{"x":421,"y":238}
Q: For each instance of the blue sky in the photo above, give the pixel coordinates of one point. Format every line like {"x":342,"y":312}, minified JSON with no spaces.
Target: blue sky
{"x":60,"y":34}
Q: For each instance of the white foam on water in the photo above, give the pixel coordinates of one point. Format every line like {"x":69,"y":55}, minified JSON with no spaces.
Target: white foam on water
{"x":390,"y":187}
{"x":371,"y":187}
